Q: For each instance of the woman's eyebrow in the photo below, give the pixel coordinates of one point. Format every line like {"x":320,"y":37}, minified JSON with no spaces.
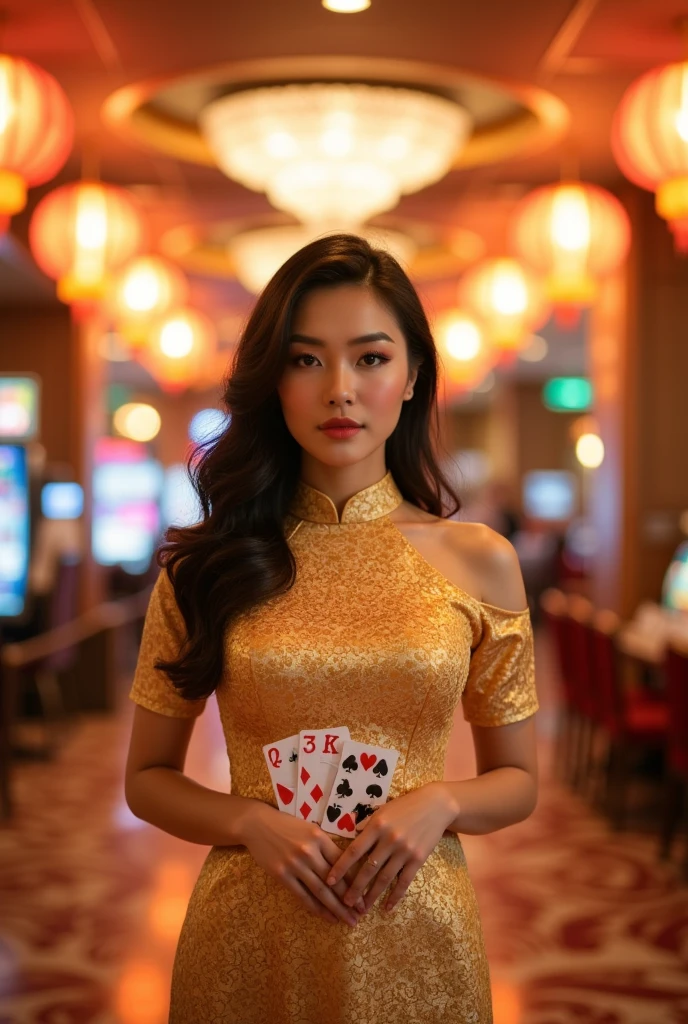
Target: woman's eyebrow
{"x":364,"y":338}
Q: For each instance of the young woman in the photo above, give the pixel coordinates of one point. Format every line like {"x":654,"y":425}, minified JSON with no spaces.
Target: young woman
{"x":323,"y":587}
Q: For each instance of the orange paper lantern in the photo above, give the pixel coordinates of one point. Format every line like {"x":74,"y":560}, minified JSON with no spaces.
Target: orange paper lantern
{"x":179,"y":349}
{"x":573,"y":234}
{"x":144,"y":290}
{"x":507,"y":299}
{"x":650,"y":142}
{"x":36,"y":129}
{"x":82,"y":232}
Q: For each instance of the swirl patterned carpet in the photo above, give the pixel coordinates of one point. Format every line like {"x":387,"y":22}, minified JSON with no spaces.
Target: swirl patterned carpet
{"x":583,"y":926}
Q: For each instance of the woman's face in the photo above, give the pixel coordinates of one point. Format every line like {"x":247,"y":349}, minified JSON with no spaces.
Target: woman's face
{"x":347,"y":359}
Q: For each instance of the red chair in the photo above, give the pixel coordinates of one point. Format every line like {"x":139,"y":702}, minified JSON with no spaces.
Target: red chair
{"x":554,"y":612}
{"x":676,"y":779}
{"x":631,"y":719}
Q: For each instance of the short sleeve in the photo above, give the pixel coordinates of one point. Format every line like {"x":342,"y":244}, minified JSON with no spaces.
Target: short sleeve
{"x":500,"y":688}
{"x":164,"y":632}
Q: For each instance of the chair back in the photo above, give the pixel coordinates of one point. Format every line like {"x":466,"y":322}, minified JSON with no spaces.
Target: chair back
{"x":605,"y":658}
{"x":580,"y":613}
{"x":554,"y":611}
{"x":676,"y":675}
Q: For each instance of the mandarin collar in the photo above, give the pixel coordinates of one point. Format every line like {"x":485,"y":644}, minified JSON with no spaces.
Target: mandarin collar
{"x":371,"y":503}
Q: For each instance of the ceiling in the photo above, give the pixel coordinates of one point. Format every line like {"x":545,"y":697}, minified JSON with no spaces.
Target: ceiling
{"x":584,"y":52}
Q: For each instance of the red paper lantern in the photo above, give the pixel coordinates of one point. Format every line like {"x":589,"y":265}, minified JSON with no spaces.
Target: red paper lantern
{"x":573,"y":234}
{"x":179,"y":349}
{"x":650,"y":142}
{"x":82,"y":232}
{"x":507,"y":299}
{"x":36,"y":129}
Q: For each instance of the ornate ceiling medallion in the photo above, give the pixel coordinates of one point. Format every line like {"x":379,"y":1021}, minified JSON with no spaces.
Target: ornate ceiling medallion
{"x":485,"y":120}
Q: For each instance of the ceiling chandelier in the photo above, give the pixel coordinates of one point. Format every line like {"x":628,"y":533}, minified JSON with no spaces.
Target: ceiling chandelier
{"x":334,"y":153}
{"x":257,"y":254}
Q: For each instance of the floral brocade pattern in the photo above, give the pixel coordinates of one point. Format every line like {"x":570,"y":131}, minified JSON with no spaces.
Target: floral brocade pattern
{"x":374,"y":637}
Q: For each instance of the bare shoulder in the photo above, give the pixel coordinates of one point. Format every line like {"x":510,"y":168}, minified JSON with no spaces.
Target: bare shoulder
{"x":475,"y":551}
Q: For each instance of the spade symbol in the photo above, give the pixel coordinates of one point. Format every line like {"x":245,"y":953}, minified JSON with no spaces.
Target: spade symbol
{"x":380,"y":768}
{"x":333,"y":812}
{"x":350,"y":764}
{"x":362,"y":811}
{"x":293,"y":756}
{"x":344,"y":789}
{"x":374,"y":791}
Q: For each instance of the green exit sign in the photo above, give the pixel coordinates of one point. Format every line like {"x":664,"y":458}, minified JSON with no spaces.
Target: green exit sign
{"x":567,"y":394}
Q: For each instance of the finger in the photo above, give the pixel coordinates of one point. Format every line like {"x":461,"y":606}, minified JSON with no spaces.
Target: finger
{"x":353,"y":853}
{"x":367,"y":874}
{"x":384,"y":878}
{"x":321,"y":891}
{"x":309,"y":901}
{"x":330,"y":854}
{"x":405,"y":878}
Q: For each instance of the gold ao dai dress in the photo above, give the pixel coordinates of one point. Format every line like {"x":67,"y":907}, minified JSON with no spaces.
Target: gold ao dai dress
{"x":374,"y":637}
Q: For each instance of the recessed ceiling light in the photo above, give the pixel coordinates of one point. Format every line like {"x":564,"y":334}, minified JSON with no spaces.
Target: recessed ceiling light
{"x":346,"y":6}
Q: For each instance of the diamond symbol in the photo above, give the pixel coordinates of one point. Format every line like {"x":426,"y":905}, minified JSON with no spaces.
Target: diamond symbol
{"x":305,"y":776}
{"x":316,"y":792}
{"x":305,"y":809}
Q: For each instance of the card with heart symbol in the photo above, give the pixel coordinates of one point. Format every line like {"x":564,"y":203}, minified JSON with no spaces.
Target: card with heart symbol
{"x":361,"y":785}
{"x":282,"y":760}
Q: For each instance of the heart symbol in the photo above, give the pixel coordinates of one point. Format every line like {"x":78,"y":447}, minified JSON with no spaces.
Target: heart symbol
{"x":285,"y":795}
{"x":347,"y":823}
{"x":368,"y":760}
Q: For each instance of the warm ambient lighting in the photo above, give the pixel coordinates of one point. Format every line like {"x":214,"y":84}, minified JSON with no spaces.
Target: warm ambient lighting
{"x":146,"y":289}
{"x":508,"y":299}
{"x":346,"y":6}
{"x":573,"y":234}
{"x":180,"y":349}
{"x":465,"y":354}
{"x":536,"y":349}
{"x":259,"y":253}
{"x":334,"y":152}
{"x":590,"y":451}
{"x":137,"y":421}
{"x":650,"y":142}
{"x":80,"y":233}
{"x":36,"y":130}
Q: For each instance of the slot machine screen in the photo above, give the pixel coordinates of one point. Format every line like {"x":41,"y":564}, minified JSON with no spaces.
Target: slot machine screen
{"x":127,"y":488}
{"x":14,"y":530}
{"x":675,"y":587}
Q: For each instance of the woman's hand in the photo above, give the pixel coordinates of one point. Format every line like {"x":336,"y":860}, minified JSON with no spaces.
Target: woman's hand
{"x":300,"y":854}
{"x":399,"y":836}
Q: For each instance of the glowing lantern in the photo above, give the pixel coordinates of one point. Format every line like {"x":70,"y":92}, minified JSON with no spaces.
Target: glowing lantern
{"x":464,"y":351}
{"x":179,"y":348}
{"x":146,"y":289}
{"x":650,"y":142}
{"x":36,"y":130}
{"x":573,"y":234}
{"x":507,"y":299}
{"x":80,"y":233}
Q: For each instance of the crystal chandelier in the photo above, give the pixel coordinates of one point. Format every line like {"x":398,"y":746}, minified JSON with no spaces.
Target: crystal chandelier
{"x":335,"y":153}
{"x":258,"y":253}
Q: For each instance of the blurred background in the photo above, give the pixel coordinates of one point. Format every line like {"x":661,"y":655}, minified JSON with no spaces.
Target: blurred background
{"x":528,"y":165}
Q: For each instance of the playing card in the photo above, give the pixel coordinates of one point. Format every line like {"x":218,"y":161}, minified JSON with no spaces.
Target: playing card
{"x":319,"y":755}
{"x":282,"y":761}
{"x":361,"y":784}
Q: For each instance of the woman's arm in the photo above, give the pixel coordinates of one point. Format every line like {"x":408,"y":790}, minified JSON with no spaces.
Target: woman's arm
{"x":158,"y":792}
{"x":505,"y":790}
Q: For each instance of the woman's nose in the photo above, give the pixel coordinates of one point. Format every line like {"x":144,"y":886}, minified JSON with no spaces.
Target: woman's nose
{"x":340,"y":389}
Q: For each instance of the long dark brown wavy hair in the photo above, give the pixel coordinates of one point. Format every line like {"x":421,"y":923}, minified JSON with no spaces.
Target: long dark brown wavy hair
{"x":246,"y":476}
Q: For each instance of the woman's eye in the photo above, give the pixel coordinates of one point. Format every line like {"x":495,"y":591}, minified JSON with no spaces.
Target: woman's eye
{"x":304,"y":355}
{"x":375,"y":355}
